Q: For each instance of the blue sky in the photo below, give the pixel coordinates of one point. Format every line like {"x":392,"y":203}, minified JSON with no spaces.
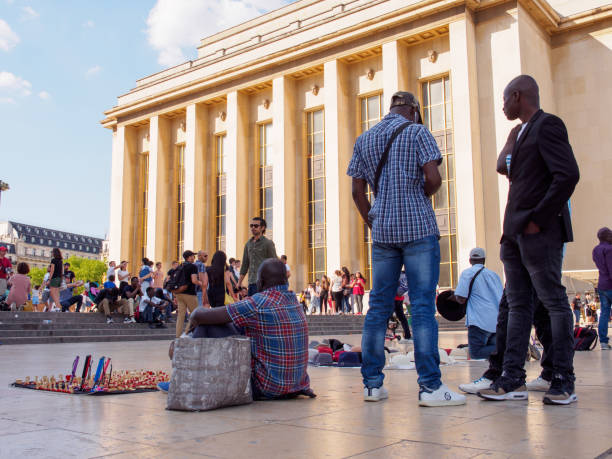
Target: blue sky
{"x":63,"y":63}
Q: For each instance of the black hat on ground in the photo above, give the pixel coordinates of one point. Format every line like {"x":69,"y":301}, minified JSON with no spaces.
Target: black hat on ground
{"x":450,"y":309}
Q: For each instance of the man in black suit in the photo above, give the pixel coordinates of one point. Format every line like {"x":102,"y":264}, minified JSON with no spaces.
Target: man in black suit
{"x":543,"y":174}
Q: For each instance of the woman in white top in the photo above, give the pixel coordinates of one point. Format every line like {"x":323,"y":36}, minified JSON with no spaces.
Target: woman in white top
{"x":336,"y":290}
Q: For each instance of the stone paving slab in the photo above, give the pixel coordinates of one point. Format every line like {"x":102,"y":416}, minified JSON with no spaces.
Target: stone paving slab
{"x":336,"y":424}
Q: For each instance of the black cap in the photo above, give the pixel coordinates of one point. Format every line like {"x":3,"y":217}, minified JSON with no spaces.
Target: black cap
{"x":404,"y":98}
{"x":187,"y":254}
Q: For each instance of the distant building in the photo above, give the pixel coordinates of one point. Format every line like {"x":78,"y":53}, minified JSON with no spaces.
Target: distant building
{"x":264,"y":120}
{"x":33,"y":244}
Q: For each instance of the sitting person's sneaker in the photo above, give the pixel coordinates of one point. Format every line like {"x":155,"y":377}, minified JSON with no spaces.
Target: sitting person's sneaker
{"x":605,"y":346}
{"x":538,"y":385}
{"x":561,"y":392}
{"x":375,"y":394}
{"x":164,"y":386}
{"x":505,"y":388}
{"x":127,"y":320}
{"x":442,"y":396}
{"x":109,"y":320}
{"x":476,"y":386}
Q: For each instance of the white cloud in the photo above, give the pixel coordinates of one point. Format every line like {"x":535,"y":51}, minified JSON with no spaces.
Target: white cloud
{"x":173,"y":26}
{"x":89,"y":24}
{"x":28,"y":13}
{"x":44,"y":95}
{"x":13,"y":85}
{"x":92,"y":71}
{"x":8,"y":38}
{"x":7,"y":100}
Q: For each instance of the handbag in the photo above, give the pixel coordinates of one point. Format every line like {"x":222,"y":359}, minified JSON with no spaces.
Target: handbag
{"x":450,"y":309}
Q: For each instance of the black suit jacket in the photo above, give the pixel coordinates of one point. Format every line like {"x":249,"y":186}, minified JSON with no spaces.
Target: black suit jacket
{"x":543,"y":175}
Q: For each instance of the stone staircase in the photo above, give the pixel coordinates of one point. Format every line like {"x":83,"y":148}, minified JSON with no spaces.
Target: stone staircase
{"x":54,"y":327}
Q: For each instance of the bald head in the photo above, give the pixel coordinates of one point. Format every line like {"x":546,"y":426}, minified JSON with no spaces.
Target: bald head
{"x":521,"y":97}
{"x":271,"y":273}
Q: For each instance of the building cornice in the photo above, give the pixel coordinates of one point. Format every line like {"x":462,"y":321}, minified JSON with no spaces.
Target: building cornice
{"x":204,"y":73}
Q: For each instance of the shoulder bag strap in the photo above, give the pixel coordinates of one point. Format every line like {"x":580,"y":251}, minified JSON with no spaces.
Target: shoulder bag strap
{"x":385,"y":155}
{"x":472,"y":284}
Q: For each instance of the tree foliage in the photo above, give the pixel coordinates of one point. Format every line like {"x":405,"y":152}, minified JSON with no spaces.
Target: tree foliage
{"x":84,"y":269}
{"x":37,"y":275}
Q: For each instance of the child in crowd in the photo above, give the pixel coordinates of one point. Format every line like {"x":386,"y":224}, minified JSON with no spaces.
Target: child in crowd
{"x":36,"y":298}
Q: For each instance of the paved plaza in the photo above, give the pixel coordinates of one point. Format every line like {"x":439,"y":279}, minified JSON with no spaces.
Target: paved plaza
{"x":336,"y":424}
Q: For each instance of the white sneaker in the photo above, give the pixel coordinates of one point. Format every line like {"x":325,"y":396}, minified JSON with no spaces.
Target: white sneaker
{"x":476,"y":386}
{"x":538,"y":385}
{"x":132,"y":320}
{"x":109,"y":320}
{"x":127,"y":320}
{"x":375,"y":394}
{"x":605,"y":346}
{"x":442,"y":396}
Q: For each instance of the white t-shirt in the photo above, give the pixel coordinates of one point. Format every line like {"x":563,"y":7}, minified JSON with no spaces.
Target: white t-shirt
{"x":336,"y":284}
{"x":45,"y":280}
{"x":110,"y":272}
{"x":122,"y":275}
{"x":143,"y":302}
{"x":288,"y":268}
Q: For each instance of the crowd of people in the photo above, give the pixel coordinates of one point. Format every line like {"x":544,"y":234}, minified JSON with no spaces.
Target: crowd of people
{"x":341,"y":293}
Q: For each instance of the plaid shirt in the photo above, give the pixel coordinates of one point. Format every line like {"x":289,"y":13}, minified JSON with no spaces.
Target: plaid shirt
{"x":276,"y":324}
{"x":401,"y":211}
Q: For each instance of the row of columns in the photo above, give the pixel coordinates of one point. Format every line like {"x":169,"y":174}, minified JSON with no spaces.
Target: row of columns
{"x":338,"y":150}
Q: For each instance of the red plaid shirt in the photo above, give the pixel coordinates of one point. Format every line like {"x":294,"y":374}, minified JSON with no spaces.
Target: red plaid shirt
{"x":276,"y":324}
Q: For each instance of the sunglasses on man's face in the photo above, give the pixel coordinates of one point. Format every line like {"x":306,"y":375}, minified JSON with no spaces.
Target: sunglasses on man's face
{"x":254,"y":225}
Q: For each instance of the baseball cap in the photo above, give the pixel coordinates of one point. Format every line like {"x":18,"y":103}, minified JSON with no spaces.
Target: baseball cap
{"x":477,"y":253}
{"x":3,"y":248}
{"x":404,"y":98}
{"x":187,"y":254}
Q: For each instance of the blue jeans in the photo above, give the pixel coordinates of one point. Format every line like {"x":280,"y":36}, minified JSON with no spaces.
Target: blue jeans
{"x":421,"y":260}
{"x":605,"y":300}
{"x":481,"y":343}
{"x":199,"y":295}
{"x":577,"y":316}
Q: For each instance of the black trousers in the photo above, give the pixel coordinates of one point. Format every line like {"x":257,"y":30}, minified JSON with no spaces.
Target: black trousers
{"x":532,"y":264}
{"x":541,"y":322}
{"x":399,"y":312}
{"x":78,"y":299}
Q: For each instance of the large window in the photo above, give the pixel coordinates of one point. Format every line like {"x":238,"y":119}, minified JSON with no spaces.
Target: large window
{"x":437,"y":116}
{"x":371,"y":113}
{"x":144,"y":202}
{"x":317,"y":235}
{"x":221,"y":169}
{"x":265,"y":175}
{"x":180,"y":201}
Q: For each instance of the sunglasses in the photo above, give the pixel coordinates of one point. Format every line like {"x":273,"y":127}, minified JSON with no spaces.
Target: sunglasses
{"x":252,"y":225}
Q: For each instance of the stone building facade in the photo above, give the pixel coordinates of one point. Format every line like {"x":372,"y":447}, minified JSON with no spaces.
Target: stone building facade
{"x":264,"y":120}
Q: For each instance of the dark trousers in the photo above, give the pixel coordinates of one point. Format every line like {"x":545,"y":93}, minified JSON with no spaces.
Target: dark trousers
{"x":541,"y":323}
{"x":252,"y":289}
{"x":399,"y":312}
{"x":76,"y":299}
{"x":481,"y":343}
{"x":216,"y":331}
{"x":533,"y":264}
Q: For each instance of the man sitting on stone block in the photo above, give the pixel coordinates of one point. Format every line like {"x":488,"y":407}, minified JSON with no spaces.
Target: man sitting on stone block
{"x":276,"y":324}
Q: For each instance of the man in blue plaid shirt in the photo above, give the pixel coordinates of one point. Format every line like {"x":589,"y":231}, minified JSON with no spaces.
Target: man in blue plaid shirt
{"x":404,"y":233}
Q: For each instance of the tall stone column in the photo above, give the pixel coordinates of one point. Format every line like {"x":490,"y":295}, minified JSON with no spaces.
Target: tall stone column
{"x":394,"y":74}
{"x":194,"y":151}
{"x":237,"y":218}
{"x":152,"y":186}
{"x":116,"y":194}
{"x":466,"y":128}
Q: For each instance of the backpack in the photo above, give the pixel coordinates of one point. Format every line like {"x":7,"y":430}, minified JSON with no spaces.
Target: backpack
{"x":585,"y":338}
{"x":177,"y":282}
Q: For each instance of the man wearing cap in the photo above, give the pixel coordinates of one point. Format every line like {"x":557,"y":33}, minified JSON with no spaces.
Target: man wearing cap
{"x":187,"y":299}
{"x":602,"y":256}
{"x":5,"y":269}
{"x":482,"y":304}
{"x":398,"y":159}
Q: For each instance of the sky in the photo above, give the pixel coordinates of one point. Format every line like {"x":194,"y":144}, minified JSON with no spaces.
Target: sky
{"x":62,"y":64}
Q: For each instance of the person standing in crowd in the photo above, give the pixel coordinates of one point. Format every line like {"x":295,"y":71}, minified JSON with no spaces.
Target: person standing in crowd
{"x":122,"y":273}
{"x":236,"y":270}
{"x":256,"y":250}
{"x":158,"y":276}
{"x":324,"y":296}
{"x":283,"y":258}
{"x":359,"y":292}
{"x":145,"y":275}
{"x":201,"y":265}
{"x":337,"y":292}
{"x":173,"y":267}
{"x":402,"y":290}
{"x":399,"y":158}
{"x":219,"y":280}
{"x":56,"y":272}
{"x":543,"y":174}
{"x":577,"y":307}
{"x":111,"y":269}
{"x":187,"y":299}
{"x":602,"y":256}
{"x":5,"y":270}
{"x":20,"y":287}
{"x":484,"y":289}
{"x":314,"y":289}
{"x":347,"y":290}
